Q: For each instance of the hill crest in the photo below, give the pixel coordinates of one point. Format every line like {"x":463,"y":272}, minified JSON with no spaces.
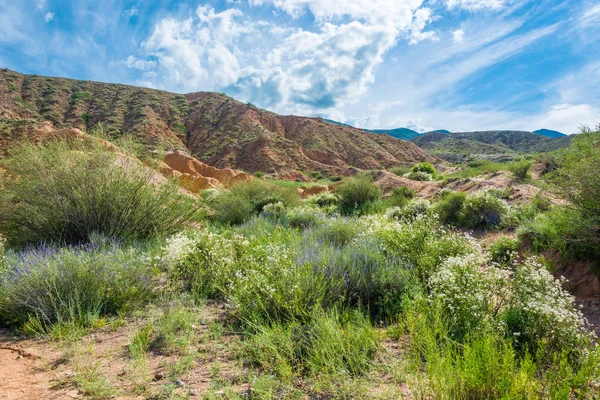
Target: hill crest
{"x":213,"y":127}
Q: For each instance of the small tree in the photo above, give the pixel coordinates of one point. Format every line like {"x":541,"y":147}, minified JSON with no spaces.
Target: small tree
{"x":578,"y":178}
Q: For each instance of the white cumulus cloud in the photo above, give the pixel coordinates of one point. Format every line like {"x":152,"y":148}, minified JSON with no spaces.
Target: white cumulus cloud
{"x":474,"y":5}
{"x":285,"y":67}
{"x":458,"y":35}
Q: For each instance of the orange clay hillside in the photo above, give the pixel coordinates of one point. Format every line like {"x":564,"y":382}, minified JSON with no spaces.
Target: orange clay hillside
{"x":192,"y":174}
{"x":195,"y":175}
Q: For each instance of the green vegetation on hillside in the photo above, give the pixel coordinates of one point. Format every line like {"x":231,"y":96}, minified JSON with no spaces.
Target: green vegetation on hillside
{"x":488,"y":145}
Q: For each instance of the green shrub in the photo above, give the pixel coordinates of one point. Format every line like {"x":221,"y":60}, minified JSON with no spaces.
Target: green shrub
{"x":49,"y":285}
{"x":356,"y":194}
{"x":578,"y":180}
{"x":260,"y":193}
{"x":304,"y":217}
{"x":504,"y":250}
{"x":400,"y":196}
{"x":502,"y":194}
{"x":323,"y":200}
{"x":66,"y":191}
{"x":419,"y":176}
{"x":424,"y":167}
{"x":520,"y":169}
{"x":486,"y":366}
{"x":421,"y":243}
{"x":273,"y":211}
{"x":483,"y":210}
{"x":329,"y":344}
{"x":245,"y":199}
{"x":541,"y":202}
{"x":449,"y":208}
{"x":400,"y":171}
{"x":359,"y":275}
{"x":317,"y":175}
{"x":337,"y":231}
{"x":413,"y":209}
{"x":201,"y":262}
{"x":564,"y":229}
{"x":230,"y":208}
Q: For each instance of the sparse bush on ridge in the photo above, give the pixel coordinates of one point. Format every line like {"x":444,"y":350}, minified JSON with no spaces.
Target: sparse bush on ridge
{"x":449,"y":208}
{"x":419,"y":176}
{"x":63,"y":192}
{"x":425,"y":167}
{"x":520,"y":169}
{"x":356,"y":194}
{"x":483,"y":210}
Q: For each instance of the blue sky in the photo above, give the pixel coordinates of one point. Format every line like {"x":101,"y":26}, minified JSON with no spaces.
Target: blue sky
{"x":423,"y":64}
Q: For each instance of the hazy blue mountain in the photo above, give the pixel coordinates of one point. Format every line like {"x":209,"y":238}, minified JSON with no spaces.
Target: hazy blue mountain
{"x":399,"y":133}
{"x":550,"y":133}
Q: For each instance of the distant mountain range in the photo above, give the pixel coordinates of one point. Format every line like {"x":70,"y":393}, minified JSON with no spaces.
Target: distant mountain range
{"x":409,"y":134}
{"x":550,"y":133}
{"x":494,"y":145}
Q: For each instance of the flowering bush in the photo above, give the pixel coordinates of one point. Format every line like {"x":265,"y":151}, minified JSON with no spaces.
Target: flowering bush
{"x":73,"y":284}
{"x":414,"y":209}
{"x":504,"y":251}
{"x":419,"y":176}
{"x":304,"y":217}
{"x":483,"y":210}
{"x":273,"y":211}
{"x":203,"y":263}
{"x":468,"y":293}
{"x":421,"y":242}
{"x":325,"y":199}
{"x":541,"y":313}
{"x":529,"y":305}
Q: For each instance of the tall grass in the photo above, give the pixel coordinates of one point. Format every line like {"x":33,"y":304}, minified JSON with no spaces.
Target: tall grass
{"x":331,"y":343}
{"x":65,"y":191}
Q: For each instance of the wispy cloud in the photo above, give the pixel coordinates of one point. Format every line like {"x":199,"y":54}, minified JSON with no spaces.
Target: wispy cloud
{"x":49,"y":16}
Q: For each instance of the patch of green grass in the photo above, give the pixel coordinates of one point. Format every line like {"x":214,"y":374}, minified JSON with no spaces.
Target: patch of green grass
{"x":478,"y":168}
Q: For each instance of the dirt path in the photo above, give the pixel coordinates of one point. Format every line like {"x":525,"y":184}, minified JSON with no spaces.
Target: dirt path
{"x":22,"y":374}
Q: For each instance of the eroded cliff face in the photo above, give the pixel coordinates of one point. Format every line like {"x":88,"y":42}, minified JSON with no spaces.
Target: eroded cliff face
{"x":214,"y":128}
